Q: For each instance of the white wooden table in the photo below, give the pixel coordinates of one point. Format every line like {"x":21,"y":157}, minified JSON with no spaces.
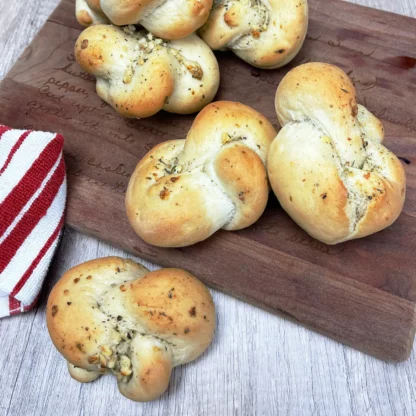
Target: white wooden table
{"x":258,"y":364}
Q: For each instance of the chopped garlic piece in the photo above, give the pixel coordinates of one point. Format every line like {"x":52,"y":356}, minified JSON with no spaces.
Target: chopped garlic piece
{"x":103,"y":361}
{"x":225,"y":138}
{"x":326,"y":139}
{"x":125,"y":366}
{"x":111,"y":364}
{"x":106,"y":351}
{"x":128,"y":75}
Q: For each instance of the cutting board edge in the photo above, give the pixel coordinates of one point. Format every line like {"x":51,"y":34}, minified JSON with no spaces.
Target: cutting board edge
{"x":403,"y":355}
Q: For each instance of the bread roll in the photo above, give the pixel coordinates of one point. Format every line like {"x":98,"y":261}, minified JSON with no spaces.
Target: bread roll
{"x":112,"y":315}
{"x":139,"y":75}
{"x":169,"y":19}
{"x":266,"y":34}
{"x":327,"y":166}
{"x":183,"y":191}
{"x":89,"y":12}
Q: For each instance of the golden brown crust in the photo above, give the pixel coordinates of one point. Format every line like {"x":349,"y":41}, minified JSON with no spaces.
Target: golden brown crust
{"x":147,"y":92}
{"x":167,"y":19}
{"x":264,"y":34}
{"x":71,"y":324}
{"x":327,"y":165}
{"x":139,"y":75}
{"x":181,"y":192}
{"x":89,"y":12}
{"x":122,"y":12}
{"x":173,"y":303}
{"x":84,"y":18}
{"x":113,"y":315}
{"x":153,"y":364}
{"x":235,"y":168}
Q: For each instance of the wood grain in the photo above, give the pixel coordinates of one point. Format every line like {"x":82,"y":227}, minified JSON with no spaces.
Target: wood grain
{"x":351,"y":292}
{"x":259,"y":364}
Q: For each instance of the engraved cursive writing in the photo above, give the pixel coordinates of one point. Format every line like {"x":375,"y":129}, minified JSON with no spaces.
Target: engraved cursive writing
{"x":128,"y":137}
{"x":119,"y":187}
{"x":365,"y":85}
{"x":74,"y":156}
{"x":68,"y":69}
{"x":34,"y":106}
{"x":93,"y":125}
{"x":408,"y":124}
{"x":118,"y":170}
{"x":64,"y":86}
{"x":338,"y":44}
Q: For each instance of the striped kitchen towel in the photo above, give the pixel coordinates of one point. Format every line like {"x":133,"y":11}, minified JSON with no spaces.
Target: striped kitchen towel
{"x":32,"y":203}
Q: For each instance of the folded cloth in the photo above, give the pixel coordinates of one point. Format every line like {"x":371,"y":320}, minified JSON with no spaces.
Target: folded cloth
{"x":32,"y":203}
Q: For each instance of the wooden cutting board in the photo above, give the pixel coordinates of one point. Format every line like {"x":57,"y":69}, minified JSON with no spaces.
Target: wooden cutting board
{"x":362,"y":292}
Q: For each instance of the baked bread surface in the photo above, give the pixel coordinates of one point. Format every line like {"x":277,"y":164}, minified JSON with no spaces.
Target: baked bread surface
{"x":266,"y":34}
{"x":139,"y":75}
{"x":168,"y":19}
{"x":328,"y":166}
{"x":183,"y":191}
{"x":112,"y":315}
